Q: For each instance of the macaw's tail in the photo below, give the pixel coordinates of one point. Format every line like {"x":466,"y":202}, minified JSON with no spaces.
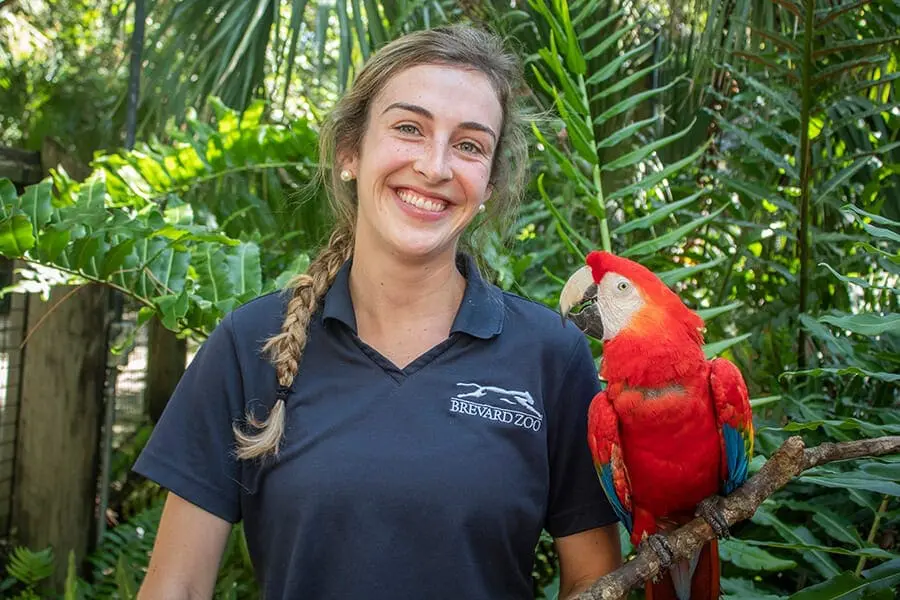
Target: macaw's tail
{"x":696,"y":579}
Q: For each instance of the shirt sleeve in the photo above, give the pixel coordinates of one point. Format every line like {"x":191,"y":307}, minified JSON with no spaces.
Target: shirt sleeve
{"x":577,"y":501}
{"x":191,"y":448}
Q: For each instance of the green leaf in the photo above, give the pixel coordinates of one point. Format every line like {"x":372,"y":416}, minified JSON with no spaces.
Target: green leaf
{"x":840,"y":178}
{"x":833,"y":524}
{"x":624,"y":82}
{"x":848,"y":424}
{"x":846,"y":585}
{"x":213,"y":275}
{"x":797,"y":535}
{"x":865,"y":324}
{"x":855,"y":280}
{"x":710,"y":313}
{"x":749,"y":139}
{"x":620,"y":135}
{"x":857,"y":481}
{"x":757,"y":402}
{"x":244,"y":270}
{"x":172,"y":308}
{"x":716,"y":348}
{"x":673,"y":276}
{"x":657,"y":215}
{"x":632,"y":101}
{"x":743,"y":589}
{"x":641,"y":153}
{"x":563,"y":227}
{"x":612,"y":66}
{"x":52,"y":243}
{"x":646,"y":183}
{"x":608,"y":41}
{"x":676,"y":235}
{"x":574,"y":58}
{"x":116,"y":257}
{"x":16,"y":236}
{"x":752,"y":558}
{"x":8,"y":197}
{"x":37,"y":203}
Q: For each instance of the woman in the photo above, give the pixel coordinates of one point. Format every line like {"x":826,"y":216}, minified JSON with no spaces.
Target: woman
{"x":393,"y":427}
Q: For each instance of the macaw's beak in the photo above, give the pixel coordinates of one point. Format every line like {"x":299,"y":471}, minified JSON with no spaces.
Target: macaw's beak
{"x":580,"y":292}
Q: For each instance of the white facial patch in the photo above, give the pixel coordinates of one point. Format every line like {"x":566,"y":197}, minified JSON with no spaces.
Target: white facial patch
{"x":618,"y":300}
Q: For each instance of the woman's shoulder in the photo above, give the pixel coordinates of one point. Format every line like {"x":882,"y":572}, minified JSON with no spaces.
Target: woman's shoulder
{"x":538,"y":323}
{"x":256,"y":319}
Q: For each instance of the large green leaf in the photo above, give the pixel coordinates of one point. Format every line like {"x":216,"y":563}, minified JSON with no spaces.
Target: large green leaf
{"x":798,"y":535}
{"x":881,"y":375}
{"x":846,"y":585}
{"x":752,"y":558}
{"x":857,"y":481}
{"x":16,"y":236}
{"x":865,"y":324}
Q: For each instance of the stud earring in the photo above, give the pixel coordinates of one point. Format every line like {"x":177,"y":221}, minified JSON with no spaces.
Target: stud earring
{"x":481,"y":208}
{"x":346,"y":175}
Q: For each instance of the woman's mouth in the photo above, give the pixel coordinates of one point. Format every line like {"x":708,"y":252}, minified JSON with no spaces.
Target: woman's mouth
{"x":426,"y":204}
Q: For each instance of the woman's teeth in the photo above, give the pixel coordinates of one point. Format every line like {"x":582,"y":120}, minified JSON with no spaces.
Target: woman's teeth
{"x":419,"y":202}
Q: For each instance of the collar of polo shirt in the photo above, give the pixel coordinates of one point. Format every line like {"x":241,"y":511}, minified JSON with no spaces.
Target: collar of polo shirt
{"x":480,"y":314}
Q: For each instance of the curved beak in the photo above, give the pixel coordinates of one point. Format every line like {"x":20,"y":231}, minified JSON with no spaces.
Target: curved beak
{"x":579,"y":290}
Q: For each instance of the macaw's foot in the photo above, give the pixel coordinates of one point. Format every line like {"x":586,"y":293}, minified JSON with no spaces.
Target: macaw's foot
{"x":660,"y":545}
{"x":712,"y":514}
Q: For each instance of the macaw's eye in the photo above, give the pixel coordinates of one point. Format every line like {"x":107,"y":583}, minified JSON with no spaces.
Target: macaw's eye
{"x":623,"y":285}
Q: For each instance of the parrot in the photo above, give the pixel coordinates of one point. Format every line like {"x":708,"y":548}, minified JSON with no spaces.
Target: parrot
{"x":672,"y":431}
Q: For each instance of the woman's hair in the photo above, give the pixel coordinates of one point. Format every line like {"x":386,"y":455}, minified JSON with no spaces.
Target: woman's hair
{"x":455,"y":45}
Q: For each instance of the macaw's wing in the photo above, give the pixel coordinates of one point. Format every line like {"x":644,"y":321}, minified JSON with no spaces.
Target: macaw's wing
{"x":603,"y":439}
{"x":734,"y":419}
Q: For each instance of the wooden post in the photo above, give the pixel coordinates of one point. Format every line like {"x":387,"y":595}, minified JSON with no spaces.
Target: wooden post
{"x":59,"y":422}
{"x":165,"y":365}
{"x":60,"y":412}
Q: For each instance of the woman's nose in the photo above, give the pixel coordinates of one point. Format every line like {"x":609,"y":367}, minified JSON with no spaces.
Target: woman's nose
{"x":434,"y":163}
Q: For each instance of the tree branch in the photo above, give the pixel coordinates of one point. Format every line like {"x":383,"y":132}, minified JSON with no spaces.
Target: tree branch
{"x":791,"y":459}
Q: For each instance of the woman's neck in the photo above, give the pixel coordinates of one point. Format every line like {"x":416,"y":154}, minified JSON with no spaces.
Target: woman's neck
{"x":394,"y":294}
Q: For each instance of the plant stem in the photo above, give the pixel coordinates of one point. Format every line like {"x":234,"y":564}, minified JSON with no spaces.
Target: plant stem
{"x":871,"y":539}
{"x":599,"y":202}
{"x":806,"y":91}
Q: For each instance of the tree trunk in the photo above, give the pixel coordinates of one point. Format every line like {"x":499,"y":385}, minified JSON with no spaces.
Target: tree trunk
{"x":59,"y":422}
{"x":166,"y":357}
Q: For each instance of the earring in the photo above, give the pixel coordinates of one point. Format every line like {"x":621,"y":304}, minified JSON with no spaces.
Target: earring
{"x":346,"y":175}
{"x":481,"y":208}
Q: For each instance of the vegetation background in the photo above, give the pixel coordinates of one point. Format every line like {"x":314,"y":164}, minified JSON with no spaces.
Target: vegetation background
{"x":746,"y":150}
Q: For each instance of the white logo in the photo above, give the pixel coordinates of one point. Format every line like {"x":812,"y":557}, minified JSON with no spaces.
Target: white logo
{"x":523,"y":413}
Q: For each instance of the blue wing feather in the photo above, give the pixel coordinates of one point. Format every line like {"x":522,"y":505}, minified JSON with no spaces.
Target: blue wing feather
{"x":606,"y":480}
{"x":737,"y":458}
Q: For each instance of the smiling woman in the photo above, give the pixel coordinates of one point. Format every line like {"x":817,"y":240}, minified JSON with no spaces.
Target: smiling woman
{"x":406,"y":428}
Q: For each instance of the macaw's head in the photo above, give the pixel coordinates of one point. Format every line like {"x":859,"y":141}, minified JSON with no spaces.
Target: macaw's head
{"x":612,"y":295}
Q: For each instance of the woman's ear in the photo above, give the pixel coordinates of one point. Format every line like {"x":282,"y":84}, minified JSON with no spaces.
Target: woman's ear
{"x":348,"y":161}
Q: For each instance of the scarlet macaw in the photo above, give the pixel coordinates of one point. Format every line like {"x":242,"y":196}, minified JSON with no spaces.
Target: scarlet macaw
{"x":671,"y":428}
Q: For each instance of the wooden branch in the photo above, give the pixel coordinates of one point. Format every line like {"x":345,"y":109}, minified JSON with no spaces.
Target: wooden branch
{"x":791,"y":459}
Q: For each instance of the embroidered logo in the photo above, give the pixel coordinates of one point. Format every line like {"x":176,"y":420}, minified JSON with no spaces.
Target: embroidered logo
{"x":486,"y":401}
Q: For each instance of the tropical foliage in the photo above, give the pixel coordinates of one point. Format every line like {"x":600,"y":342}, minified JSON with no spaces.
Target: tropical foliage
{"x":746,"y":151}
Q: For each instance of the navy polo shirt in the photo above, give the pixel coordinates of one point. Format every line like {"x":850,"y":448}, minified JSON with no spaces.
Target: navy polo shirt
{"x":432,"y":481}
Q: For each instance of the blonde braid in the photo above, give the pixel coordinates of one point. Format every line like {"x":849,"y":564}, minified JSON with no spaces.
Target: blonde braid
{"x":286,"y":347}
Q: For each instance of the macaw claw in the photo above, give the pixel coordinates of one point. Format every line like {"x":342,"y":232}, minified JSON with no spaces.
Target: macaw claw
{"x":660,"y":545}
{"x":711,"y":512}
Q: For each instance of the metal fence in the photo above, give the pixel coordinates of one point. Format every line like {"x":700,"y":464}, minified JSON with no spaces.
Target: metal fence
{"x":12,"y":331}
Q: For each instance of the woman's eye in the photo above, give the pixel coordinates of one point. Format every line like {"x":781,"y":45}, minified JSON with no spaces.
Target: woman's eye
{"x":469,"y":148}
{"x":407,"y":128}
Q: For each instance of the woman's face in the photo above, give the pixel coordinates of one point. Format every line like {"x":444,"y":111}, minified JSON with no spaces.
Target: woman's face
{"x":425,"y":159}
